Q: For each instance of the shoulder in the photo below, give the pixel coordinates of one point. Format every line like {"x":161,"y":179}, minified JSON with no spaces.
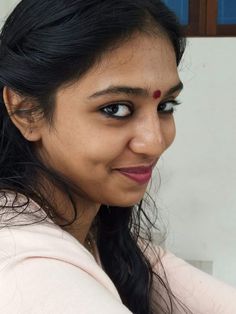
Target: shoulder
{"x":41,"y":262}
{"x":198,"y":291}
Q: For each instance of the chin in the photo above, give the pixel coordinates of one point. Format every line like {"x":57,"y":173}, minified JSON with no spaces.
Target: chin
{"x":125,"y":202}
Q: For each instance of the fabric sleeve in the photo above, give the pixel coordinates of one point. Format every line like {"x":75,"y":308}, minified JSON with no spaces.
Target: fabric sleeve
{"x":49,"y":286}
{"x":195,"y":290}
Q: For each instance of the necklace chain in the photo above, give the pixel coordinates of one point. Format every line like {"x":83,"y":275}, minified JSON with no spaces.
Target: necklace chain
{"x":89,"y":245}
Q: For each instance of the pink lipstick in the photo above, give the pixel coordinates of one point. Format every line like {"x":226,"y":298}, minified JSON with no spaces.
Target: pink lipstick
{"x":139,"y":174}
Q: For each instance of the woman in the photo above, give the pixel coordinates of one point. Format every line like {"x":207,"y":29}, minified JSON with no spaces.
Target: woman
{"x":88,"y":90}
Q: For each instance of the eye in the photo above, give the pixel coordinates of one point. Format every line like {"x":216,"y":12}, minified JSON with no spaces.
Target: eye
{"x":168,"y":107}
{"x":117,"y":110}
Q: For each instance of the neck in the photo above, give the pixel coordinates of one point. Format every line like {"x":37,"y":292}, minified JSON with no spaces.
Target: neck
{"x":81,"y":227}
{"x":86,"y":212}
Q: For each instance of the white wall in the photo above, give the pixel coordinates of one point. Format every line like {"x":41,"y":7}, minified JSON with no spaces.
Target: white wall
{"x":5,"y":7}
{"x":198,"y":189}
{"x":197,"y":196}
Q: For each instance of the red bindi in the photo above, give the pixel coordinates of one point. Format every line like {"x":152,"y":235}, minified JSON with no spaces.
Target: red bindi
{"x":157,"y":94}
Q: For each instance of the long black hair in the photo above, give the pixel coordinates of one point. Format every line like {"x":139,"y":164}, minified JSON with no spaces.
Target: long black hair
{"x":44,"y":45}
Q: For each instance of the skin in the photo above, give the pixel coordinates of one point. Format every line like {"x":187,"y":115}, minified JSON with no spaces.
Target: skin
{"x":87,"y":146}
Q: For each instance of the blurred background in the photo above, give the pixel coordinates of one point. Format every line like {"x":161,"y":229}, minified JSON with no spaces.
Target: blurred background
{"x":195,"y":181}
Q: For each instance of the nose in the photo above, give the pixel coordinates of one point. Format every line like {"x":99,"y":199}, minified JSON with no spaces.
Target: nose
{"x":148,"y":138}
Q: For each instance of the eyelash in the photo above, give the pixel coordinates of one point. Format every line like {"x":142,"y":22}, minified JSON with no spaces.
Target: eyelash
{"x":112,"y":105}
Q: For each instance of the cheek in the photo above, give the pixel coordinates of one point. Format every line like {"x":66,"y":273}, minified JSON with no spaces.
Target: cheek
{"x":169,"y":131}
{"x":97,"y":146}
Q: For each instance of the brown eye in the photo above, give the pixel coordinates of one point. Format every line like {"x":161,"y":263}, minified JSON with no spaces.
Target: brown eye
{"x":168,"y":106}
{"x":117,"y":110}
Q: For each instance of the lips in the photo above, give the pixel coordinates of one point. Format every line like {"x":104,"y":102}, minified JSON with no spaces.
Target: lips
{"x":140,"y":174}
{"x":136,"y":169}
{"x":141,"y":169}
{"x":141,"y":178}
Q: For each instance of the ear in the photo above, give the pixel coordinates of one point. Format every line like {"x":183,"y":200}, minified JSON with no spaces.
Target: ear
{"x":22,"y":115}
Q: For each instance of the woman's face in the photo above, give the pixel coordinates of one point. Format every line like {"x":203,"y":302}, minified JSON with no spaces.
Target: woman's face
{"x":95,"y":133}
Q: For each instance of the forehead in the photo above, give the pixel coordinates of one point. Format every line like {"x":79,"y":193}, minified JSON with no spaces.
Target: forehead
{"x":141,"y":60}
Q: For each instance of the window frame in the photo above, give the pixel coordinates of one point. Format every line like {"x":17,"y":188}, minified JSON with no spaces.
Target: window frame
{"x":203,"y":16}
{"x":214,"y":29}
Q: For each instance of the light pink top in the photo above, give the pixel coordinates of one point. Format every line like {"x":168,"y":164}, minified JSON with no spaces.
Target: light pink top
{"x":44,"y":270}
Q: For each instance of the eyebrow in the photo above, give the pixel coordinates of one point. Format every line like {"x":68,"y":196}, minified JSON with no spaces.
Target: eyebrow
{"x":133,"y":91}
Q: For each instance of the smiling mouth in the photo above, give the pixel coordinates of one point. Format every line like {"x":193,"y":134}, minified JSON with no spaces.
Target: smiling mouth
{"x":139,"y":169}
{"x":139,"y":175}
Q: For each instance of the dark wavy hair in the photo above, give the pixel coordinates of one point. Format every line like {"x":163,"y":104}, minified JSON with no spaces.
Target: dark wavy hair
{"x":44,"y":45}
